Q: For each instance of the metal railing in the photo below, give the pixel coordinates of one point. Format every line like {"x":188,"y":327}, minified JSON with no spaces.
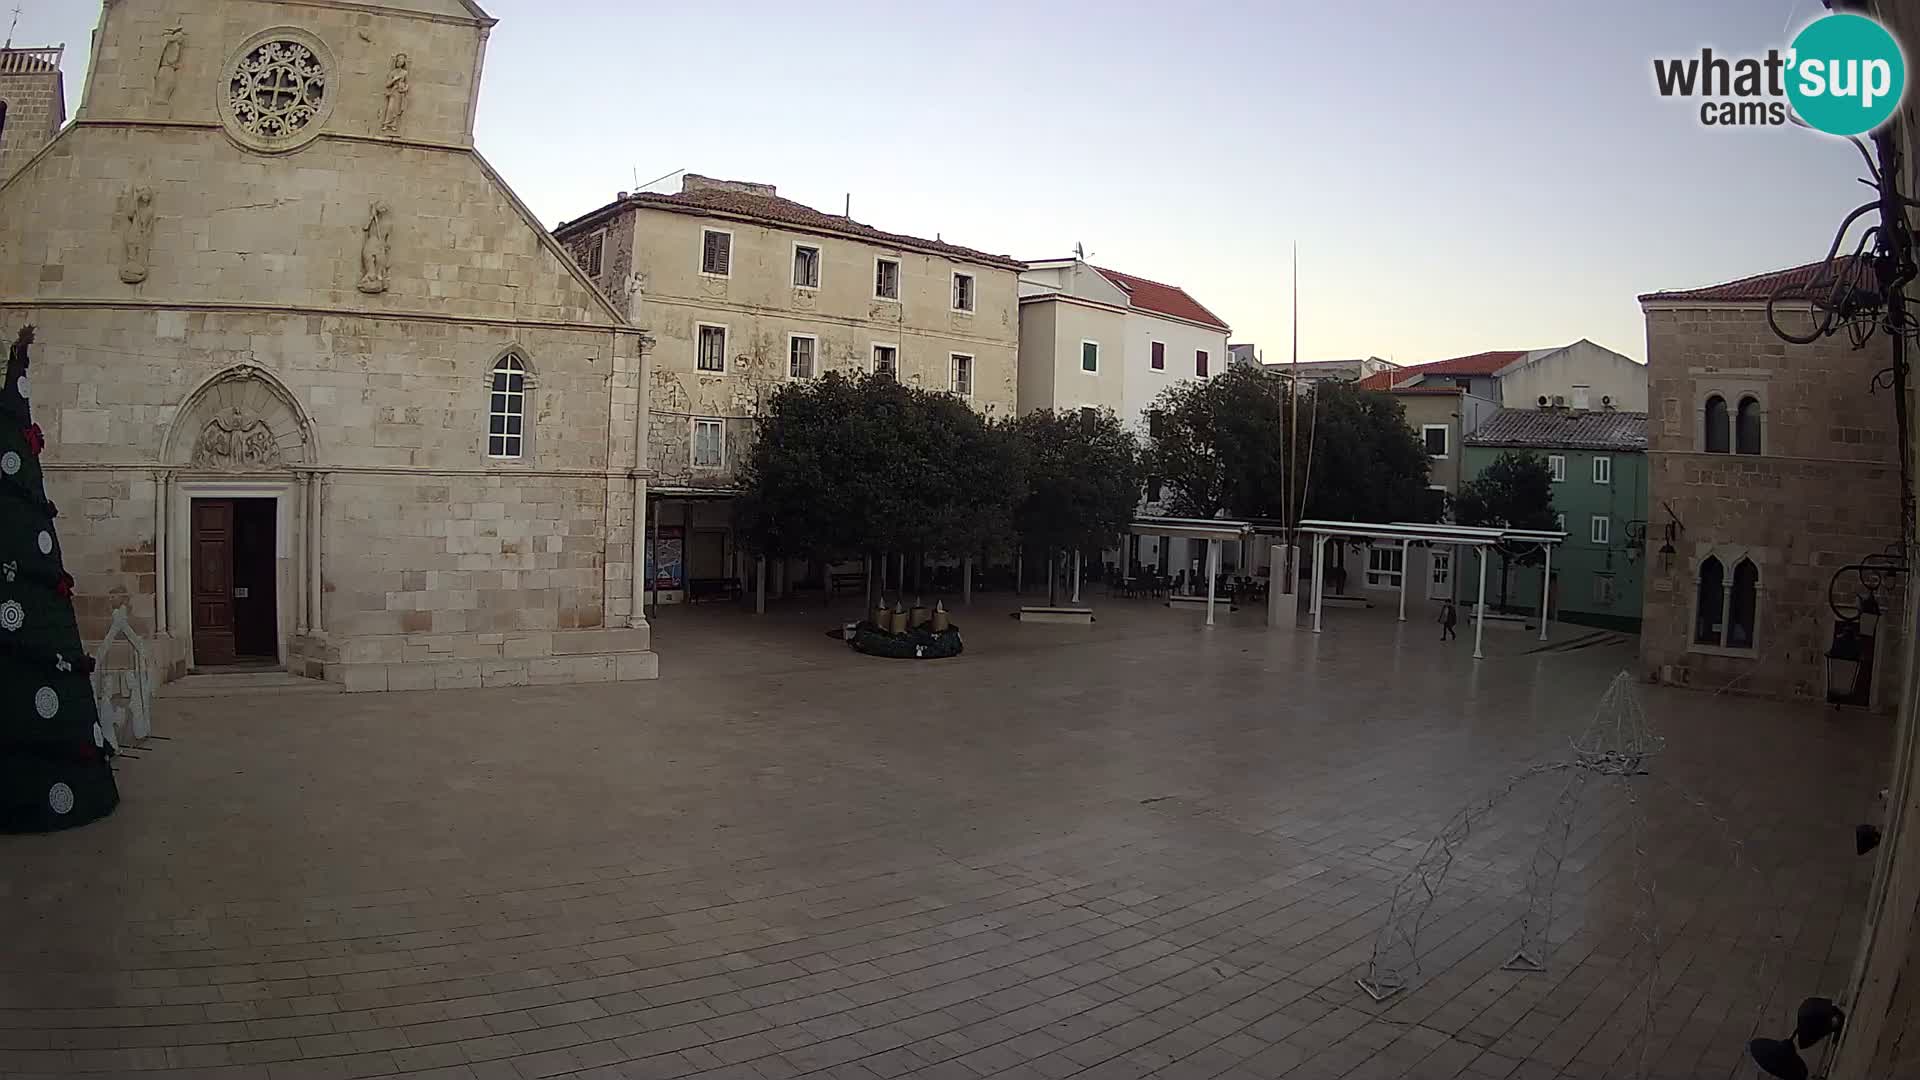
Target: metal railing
{"x":31,"y":61}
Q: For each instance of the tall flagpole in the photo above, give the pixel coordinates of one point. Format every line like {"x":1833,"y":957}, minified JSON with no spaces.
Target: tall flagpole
{"x":1293,"y":426}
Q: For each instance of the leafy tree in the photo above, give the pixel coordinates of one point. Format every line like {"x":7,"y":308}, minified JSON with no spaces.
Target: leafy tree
{"x":1515,"y":492}
{"x":844,"y":467}
{"x":1221,"y":445}
{"x":1083,"y":481}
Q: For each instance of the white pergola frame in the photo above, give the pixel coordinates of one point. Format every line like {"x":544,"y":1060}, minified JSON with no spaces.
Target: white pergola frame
{"x":1408,"y":533}
{"x":1209,"y":529}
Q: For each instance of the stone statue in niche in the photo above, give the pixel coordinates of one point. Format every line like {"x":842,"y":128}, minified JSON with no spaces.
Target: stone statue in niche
{"x":397,"y":86}
{"x":236,"y":442}
{"x":375,"y":248}
{"x":135,"y":219}
{"x":636,"y":284}
{"x":166,"y":77}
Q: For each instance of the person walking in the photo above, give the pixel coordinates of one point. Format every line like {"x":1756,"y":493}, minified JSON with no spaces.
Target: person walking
{"x":1448,"y":619}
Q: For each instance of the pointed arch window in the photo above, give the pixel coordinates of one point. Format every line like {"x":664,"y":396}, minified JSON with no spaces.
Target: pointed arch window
{"x":1718,"y":435}
{"x":507,"y":408}
{"x":1746,"y":427}
{"x":1710,"y":607}
{"x":1743,"y":601}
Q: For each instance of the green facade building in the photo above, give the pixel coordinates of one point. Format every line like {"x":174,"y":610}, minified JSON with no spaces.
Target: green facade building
{"x":1599,"y":464}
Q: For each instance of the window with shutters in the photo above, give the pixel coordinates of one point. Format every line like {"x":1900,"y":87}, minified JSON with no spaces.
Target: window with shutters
{"x":886,"y":361}
{"x":711,"y":354}
{"x":962,"y":383}
{"x":800,"y":353}
{"x":709,"y":443}
{"x":716,"y":253}
{"x":806,"y":266}
{"x":590,"y":251}
{"x":963,"y":292}
{"x":507,"y":409}
{"x":886,"y":279}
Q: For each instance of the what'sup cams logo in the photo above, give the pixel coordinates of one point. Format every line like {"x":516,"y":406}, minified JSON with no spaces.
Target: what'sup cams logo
{"x":1844,"y":75}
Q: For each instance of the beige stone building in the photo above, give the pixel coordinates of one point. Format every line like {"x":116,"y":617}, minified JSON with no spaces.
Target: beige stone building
{"x":1771,"y":472}
{"x":745,"y":291}
{"x":33,"y":104}
{"x":319,"y":390}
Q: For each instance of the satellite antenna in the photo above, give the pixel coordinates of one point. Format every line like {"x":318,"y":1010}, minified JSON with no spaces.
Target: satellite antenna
{"x":1079,"y":251}
{"x":11,"y":27}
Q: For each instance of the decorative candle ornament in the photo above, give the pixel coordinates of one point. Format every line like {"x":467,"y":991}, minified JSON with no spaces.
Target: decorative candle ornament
{"x":940,"y":621}
{"x":897,"y":622}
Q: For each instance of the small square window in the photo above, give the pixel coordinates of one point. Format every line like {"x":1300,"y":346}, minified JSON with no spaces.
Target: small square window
{"x":1200,"y":362}
{"x":806,"y":266}
{"x":962,"y":374}
{"x":1159,"y":356}
{"x":712,"y":352}
{"x":1601,"y":529}
{"x":886,"y":279}
{"x":1557,"y":467}
{"x":1090,"y":356}
{"x":963,"y":292}
{"x":709,"y":444}
{"x":1603,"y":470}
{"x":800,"y":356}
{"x":716,"y":253}
{"x":1435,"y":436}
{"x":886,"y":361}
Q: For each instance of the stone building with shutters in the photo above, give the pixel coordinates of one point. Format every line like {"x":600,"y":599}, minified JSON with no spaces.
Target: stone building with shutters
{"x":1773,"y":477}
{"x":746,"y":291}
{"x":319,"y":390}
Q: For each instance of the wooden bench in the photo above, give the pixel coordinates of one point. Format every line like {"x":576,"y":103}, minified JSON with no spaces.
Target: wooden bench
{"x":855,"y":580}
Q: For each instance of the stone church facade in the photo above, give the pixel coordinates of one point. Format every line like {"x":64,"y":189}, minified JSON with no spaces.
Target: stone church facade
{"x":319,"y":390}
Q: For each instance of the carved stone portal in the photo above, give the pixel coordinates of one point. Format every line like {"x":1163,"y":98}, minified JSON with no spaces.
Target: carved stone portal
{"x":135,"y":219}
{"x":236,"y":442}
{"x":398,"y":83}
{"x":375,"y":249}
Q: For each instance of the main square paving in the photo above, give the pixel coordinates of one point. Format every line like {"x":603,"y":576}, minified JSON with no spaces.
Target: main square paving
{"x":1141,"y":849}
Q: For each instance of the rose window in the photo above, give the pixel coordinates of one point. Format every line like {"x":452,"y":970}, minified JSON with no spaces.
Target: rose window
{"x":277,"y":89}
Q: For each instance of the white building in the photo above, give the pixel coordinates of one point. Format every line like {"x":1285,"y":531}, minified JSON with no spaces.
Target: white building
{"x":1097,"y":338}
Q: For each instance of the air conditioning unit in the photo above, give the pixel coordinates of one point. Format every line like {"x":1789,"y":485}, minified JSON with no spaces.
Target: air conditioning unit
{"x":1559,"y":401}
{"x":1543,"y":401}
{"x":1606,"y":401}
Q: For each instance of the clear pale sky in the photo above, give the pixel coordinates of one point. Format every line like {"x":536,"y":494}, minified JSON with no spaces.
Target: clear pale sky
{"x":1461,"y":176}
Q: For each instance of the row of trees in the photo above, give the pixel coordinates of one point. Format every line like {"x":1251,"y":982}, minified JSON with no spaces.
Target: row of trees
{"x":849,"y":467}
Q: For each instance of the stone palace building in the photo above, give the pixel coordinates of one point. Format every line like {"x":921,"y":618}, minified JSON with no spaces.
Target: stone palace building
{"x":319,"y":391}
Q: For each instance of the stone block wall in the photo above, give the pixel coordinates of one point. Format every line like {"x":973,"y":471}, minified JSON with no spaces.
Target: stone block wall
{"x":36,"y":106}
{"x":1823,"y":493}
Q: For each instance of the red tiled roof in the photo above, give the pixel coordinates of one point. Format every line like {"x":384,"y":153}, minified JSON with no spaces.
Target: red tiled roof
{"x":1560,"y":429}
{"x":1756,"y":288}
{"x":775,"y":210}
{"x":1163,"y":299}
{"x":1382,"y":380}
{"x":1480,"y":363}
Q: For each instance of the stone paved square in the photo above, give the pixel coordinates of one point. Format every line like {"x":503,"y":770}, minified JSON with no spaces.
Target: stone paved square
{"x":1141,"y":849}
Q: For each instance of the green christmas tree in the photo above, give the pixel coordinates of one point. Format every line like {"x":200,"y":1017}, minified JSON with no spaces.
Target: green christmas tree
{"x":54,"y":768}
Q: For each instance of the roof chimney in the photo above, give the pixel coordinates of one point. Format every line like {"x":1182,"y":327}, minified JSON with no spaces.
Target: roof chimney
{"x":696,"y":182}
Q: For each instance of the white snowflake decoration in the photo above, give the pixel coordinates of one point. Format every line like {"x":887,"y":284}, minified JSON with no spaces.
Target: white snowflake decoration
{"x":12,"y":615}
{"x":61,"y":663}
{"x":60,"y":798}
{"x":46,"y":702}
{"x":9,"y":463}
{"x":46,"y":542}
{"x":7,"y":570}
